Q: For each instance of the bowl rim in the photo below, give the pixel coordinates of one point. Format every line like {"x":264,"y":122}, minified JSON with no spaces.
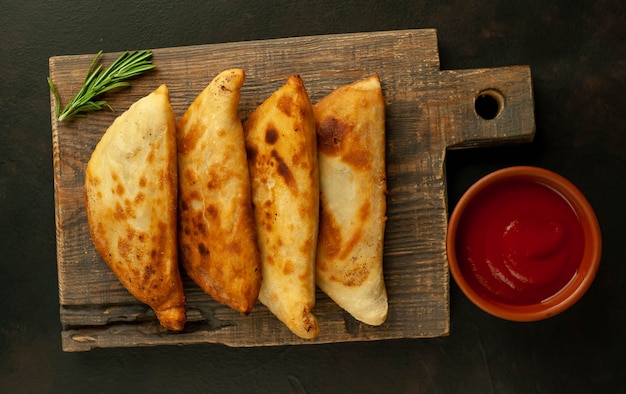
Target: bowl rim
{"x":590,"y":261}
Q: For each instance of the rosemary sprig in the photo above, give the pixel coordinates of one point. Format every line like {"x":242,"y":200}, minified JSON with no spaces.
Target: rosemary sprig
{"x":99,"y":81}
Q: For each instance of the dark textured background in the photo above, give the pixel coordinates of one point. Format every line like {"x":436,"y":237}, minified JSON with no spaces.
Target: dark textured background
{"x":577,"y":54}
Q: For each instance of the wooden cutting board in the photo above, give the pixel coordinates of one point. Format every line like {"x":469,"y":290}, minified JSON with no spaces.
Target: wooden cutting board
{"x":428,"y":112}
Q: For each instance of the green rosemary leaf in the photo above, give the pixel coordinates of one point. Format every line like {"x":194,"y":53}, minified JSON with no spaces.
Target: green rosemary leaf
{"x":100,"y":80}
{"x":114,"y":86}
{"x":57,"y":99}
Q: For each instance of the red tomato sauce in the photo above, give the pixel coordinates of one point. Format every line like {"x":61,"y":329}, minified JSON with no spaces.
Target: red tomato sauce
{"x":519,"y":242}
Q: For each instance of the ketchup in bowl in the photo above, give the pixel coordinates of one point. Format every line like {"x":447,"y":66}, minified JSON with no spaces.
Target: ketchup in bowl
{"x":521,"y":240}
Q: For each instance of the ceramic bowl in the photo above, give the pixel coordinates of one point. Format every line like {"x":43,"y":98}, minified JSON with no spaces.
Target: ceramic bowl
{"x":523,"y":244}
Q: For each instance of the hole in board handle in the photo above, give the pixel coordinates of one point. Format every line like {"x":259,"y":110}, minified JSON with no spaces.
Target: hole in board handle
{"x":488,"y":104}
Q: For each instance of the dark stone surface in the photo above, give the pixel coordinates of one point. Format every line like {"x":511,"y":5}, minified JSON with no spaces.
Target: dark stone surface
{"x":577,"y":54}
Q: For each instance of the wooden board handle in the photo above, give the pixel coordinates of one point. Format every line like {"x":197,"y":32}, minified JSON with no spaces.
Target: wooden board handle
{"x":486,"y":107}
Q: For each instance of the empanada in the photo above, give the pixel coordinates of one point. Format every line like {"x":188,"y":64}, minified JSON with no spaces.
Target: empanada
{"x":282,"y":156}
{"x":217,"y":234}
{"x":350,"y":124}
{"x":130,"y":199}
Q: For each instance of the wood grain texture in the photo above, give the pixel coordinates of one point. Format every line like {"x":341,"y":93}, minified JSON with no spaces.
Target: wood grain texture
{"x":428,"y":112}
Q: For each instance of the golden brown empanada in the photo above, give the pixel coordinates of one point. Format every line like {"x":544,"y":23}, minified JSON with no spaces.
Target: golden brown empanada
{"x":350,"y":126}
{"x":282,"y":156}
{"x":130,"y":198}
{"x":217,"y":234}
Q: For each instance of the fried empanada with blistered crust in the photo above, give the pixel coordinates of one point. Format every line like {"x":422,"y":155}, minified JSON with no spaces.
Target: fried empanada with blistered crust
{"x":350,"y":124}
{"x":130,"y":200}
{"x":217,"y":234}
{"x":282,"y":157}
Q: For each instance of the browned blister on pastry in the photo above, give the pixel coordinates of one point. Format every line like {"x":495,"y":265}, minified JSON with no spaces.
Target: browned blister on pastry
{"x":351,"y":143}
{"x":131,"y":197}
{"x":217,"y":235}
{"x":282,"y":156}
